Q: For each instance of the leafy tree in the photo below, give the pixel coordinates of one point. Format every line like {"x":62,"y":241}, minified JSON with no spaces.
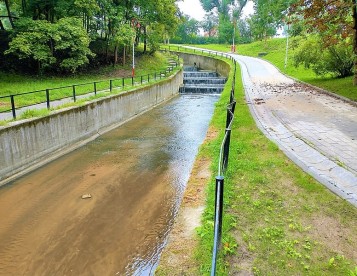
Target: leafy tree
{"x":334,"y":20}
{"x":187,"y":30}
{"x":63,"y":44}
{"x":227,"y":10}
{"x":210,"y":22}
{"x":268,"y":16}
{"x":244,"y":31}
{"x":334,"y":59}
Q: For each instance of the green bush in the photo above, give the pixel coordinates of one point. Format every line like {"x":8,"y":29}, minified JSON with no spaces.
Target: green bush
{"x":336,"y":60}
{"x":62,"y":45}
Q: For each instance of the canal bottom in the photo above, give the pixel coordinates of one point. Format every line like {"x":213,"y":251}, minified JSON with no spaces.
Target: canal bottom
{"x":135,"y":174}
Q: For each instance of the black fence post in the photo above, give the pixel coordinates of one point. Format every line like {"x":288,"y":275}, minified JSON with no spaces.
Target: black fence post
{"x":148,"y":78}
{"x":132,"y":81}
{"x":111,"y":85}
{"x":95,"y":88}
{"x":141,"y":79}
{"x":48,"y":98}
{"x":13,"y":106}
{"x":155,"y":75}
{"x":74,"y":93}
{"x":218,"y":218}
{"x":123,"y":82}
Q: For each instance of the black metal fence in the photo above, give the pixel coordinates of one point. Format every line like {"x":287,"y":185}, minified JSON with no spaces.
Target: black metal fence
{"x":224,"y":150}
{"x":185,"y":49}
{"x":13,"y":102}
{"x":222,"y":166}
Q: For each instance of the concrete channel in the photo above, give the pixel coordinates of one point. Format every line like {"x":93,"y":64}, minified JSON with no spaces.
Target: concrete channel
{"x":107,"y":207}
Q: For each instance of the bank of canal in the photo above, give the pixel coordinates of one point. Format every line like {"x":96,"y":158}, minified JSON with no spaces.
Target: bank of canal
{"x":136,"y":175}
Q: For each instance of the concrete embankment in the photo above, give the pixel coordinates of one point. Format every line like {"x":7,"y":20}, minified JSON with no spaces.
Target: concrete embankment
{"x":207,"y":63}
{"x":31,"y":143}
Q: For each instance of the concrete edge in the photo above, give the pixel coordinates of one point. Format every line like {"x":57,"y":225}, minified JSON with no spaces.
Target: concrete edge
{"x":63,"y":151}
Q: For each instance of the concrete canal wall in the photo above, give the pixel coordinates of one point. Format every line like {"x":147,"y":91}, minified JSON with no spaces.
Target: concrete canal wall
{"x":206,"y":63}
{"x":31,"y":143}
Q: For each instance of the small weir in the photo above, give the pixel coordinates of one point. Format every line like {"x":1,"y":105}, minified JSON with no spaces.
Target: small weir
{"x":201,"y":81}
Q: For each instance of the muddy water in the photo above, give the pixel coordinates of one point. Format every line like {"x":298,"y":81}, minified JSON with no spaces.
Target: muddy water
{"x":136,"y":175}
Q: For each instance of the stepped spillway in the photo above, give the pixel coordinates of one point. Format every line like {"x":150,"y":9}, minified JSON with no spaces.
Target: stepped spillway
{"x":201,"y":81}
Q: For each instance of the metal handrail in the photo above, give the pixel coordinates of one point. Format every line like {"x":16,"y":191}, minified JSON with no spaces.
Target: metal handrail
{"x":11,"y":97}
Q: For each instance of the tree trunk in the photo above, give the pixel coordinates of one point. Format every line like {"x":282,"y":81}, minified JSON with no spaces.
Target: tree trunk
{"x":354,"y":15}
{"x":124,"y":55}
{"x":115,"y":55}
{"x":9,"y":13}
{"x":145,"y":39}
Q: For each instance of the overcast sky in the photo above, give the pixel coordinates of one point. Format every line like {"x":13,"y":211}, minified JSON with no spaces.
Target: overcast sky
{"x":194,"y":9}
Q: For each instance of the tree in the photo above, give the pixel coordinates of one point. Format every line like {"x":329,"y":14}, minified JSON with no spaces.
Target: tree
{"x":334,"y":20}
{"x":210,"y":23}
{"x":228,"y":11}
{"x":187,"y":30}
{"x":334,"y":59}
{"x":63,"y":44}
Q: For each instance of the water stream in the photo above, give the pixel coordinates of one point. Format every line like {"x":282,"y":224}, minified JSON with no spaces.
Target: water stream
{"x":136,"y":175}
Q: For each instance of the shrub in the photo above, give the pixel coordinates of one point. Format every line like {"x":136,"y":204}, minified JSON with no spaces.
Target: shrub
{"x":336,"y":60}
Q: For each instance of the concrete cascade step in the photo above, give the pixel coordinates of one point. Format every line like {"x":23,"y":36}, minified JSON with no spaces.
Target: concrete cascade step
{"x":190,"y":68}
{"x":200,"y":74}
{"x":201,"y":81}
{"x":204,"y":80}
{"x":203,"y":90}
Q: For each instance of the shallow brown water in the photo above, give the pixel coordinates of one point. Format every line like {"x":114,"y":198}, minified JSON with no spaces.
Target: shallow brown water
{"x":136,"y":175}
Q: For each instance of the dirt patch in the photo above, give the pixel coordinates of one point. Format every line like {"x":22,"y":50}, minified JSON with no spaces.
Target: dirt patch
{"x":335,"y":235}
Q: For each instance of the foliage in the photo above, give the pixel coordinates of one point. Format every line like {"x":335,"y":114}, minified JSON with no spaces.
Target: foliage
{"x":63,"y":44}
{"x":228,"y":12}
{"x":187,"y":30}
{"x":268,"y":16}
{"x":316,"y":13}
{"x":334,"y":59}
{"x":210,"y":23}
{"x":114,"y":23}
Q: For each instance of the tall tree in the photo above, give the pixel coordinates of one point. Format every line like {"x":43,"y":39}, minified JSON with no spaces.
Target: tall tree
{"x":334,"y":20}
{"x":228,"y":11}
{"x":210,"y":22}
{"x":7,"y":5}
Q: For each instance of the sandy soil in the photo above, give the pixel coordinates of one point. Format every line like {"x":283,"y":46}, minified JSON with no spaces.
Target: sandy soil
{"x":176,"y":258}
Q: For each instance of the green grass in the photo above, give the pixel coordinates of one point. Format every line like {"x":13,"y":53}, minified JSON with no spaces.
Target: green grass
{"x":277,"y":220}
{"x":275,"y":49}
{"x":14,"y":84}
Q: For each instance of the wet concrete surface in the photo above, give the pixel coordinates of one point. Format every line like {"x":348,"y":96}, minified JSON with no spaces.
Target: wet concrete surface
{"x":136,"y":175}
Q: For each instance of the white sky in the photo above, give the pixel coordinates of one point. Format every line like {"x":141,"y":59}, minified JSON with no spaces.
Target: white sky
{"x":194,"y":9}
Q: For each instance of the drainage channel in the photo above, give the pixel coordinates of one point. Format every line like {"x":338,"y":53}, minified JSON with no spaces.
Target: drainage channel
{"x":133,"y":179}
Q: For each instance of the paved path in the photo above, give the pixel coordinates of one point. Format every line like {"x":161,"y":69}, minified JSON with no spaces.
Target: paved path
{"x":317,"y":131}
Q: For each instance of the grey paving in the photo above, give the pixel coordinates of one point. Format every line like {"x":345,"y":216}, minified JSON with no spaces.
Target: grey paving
{"x":317,"y":131}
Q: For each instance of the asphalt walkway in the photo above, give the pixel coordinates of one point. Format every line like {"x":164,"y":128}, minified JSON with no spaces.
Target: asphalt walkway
{"x":318,"y":132}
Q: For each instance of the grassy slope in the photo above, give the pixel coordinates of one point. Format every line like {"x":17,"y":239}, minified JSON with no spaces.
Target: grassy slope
{"x":14,"y":84}
{"x":276,"y":55}
{"x":278,"y":220}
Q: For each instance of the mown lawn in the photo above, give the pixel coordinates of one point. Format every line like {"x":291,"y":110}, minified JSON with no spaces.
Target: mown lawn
{"x":276,"y":49}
